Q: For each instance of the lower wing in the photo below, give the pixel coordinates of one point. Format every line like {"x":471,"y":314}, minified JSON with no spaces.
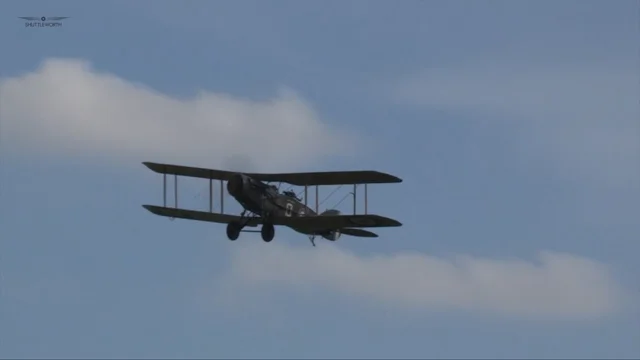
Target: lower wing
{"x":309,"y":223}
{"x":330,"y":222}
{"x":200,"y":215}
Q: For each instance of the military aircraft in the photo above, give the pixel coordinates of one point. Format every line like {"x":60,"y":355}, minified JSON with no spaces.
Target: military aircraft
{"x":263,"y":204}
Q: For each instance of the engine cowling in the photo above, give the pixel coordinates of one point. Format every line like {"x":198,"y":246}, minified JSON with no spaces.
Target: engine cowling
{"x":235,"y":185}
{"x":332,"y":235}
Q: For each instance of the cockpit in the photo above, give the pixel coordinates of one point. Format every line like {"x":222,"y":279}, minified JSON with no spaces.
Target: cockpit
{"x":291,"y":194}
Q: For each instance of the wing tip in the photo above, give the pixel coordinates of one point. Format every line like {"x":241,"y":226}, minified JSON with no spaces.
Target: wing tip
{"x":151,"y":208}
{"x":378,"y":177}
{"x":155,"y":167}
{"x":389,"y":178}
{"x":389,"y":222}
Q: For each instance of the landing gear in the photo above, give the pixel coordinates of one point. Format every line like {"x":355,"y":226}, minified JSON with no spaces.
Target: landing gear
{"x":235,"y":227}
{"x":268,"y":232}
{"x":233,"y":230}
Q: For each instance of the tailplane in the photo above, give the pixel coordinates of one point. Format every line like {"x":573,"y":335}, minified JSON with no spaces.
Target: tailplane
{"x":359,"y":233}
{"x":333,"y":235}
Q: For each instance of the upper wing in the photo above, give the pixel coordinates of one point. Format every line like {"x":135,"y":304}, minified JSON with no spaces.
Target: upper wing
{"x":199,"y":215}
{"x":55,"y":18}
{"x":300,"y":179}
{"x":189,"y":171}
{"x":332,"y":178}
{"x":330,"y":222}
{"x":30,"y":18}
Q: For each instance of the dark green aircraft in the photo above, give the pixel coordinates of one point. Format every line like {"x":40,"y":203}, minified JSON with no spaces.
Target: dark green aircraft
{"x":265,"y":205}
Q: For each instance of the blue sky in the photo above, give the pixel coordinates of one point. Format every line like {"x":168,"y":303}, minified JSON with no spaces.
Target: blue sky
{"x":513,"y":124}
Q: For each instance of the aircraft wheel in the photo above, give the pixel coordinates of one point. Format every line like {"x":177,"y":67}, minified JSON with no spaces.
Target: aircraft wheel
{"x":233,"y":230}
{"x":268,"y":232}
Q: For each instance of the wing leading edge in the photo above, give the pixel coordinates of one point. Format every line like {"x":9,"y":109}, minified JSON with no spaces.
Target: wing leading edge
{"x":299,"y":179}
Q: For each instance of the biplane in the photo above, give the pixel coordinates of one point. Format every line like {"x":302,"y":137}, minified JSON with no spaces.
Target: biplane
{"x":263,"y":204}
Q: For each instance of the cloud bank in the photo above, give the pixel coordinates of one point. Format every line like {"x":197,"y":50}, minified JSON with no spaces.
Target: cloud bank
{"x":557,"y":286}
{"x":68,"y":107}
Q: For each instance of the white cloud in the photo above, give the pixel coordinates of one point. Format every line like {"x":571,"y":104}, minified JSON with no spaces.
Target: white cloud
{"x":558,"y":286}
{"x":581,"y":118}
{"x":67,"y":106}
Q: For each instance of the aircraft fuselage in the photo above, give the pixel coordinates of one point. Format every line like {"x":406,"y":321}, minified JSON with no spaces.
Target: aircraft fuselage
{"x":265,"y":200}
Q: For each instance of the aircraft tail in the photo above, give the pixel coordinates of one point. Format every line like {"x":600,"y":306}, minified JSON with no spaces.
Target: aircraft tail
{"x":359,"y":233}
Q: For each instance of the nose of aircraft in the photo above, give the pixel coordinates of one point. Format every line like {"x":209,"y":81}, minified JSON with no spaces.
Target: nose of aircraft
{"x":234,"y":185}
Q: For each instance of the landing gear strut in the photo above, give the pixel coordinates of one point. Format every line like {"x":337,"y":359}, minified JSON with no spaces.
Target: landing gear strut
{"x":235,"y":227}
{"x":312,"y":238}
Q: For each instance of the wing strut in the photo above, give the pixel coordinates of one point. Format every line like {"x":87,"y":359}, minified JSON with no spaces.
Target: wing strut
{"x":210,"y":195}
{"x":355,"y":190}
{"x":221,"y":197}
{"x":365,"y":199}
{"x":305,"y":195}
{"x":175,"y":190}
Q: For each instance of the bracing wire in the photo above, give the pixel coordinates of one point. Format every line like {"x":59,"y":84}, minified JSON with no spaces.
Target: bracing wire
{"x":341,"y":200}
{"x":326,"y":198}
{"x":344,"y":197}
{"x":331,"y":194}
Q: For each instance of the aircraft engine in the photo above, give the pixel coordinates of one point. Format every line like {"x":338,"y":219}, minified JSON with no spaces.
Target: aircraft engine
{"x":332,"y":235}
{"x":235,"y":185}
